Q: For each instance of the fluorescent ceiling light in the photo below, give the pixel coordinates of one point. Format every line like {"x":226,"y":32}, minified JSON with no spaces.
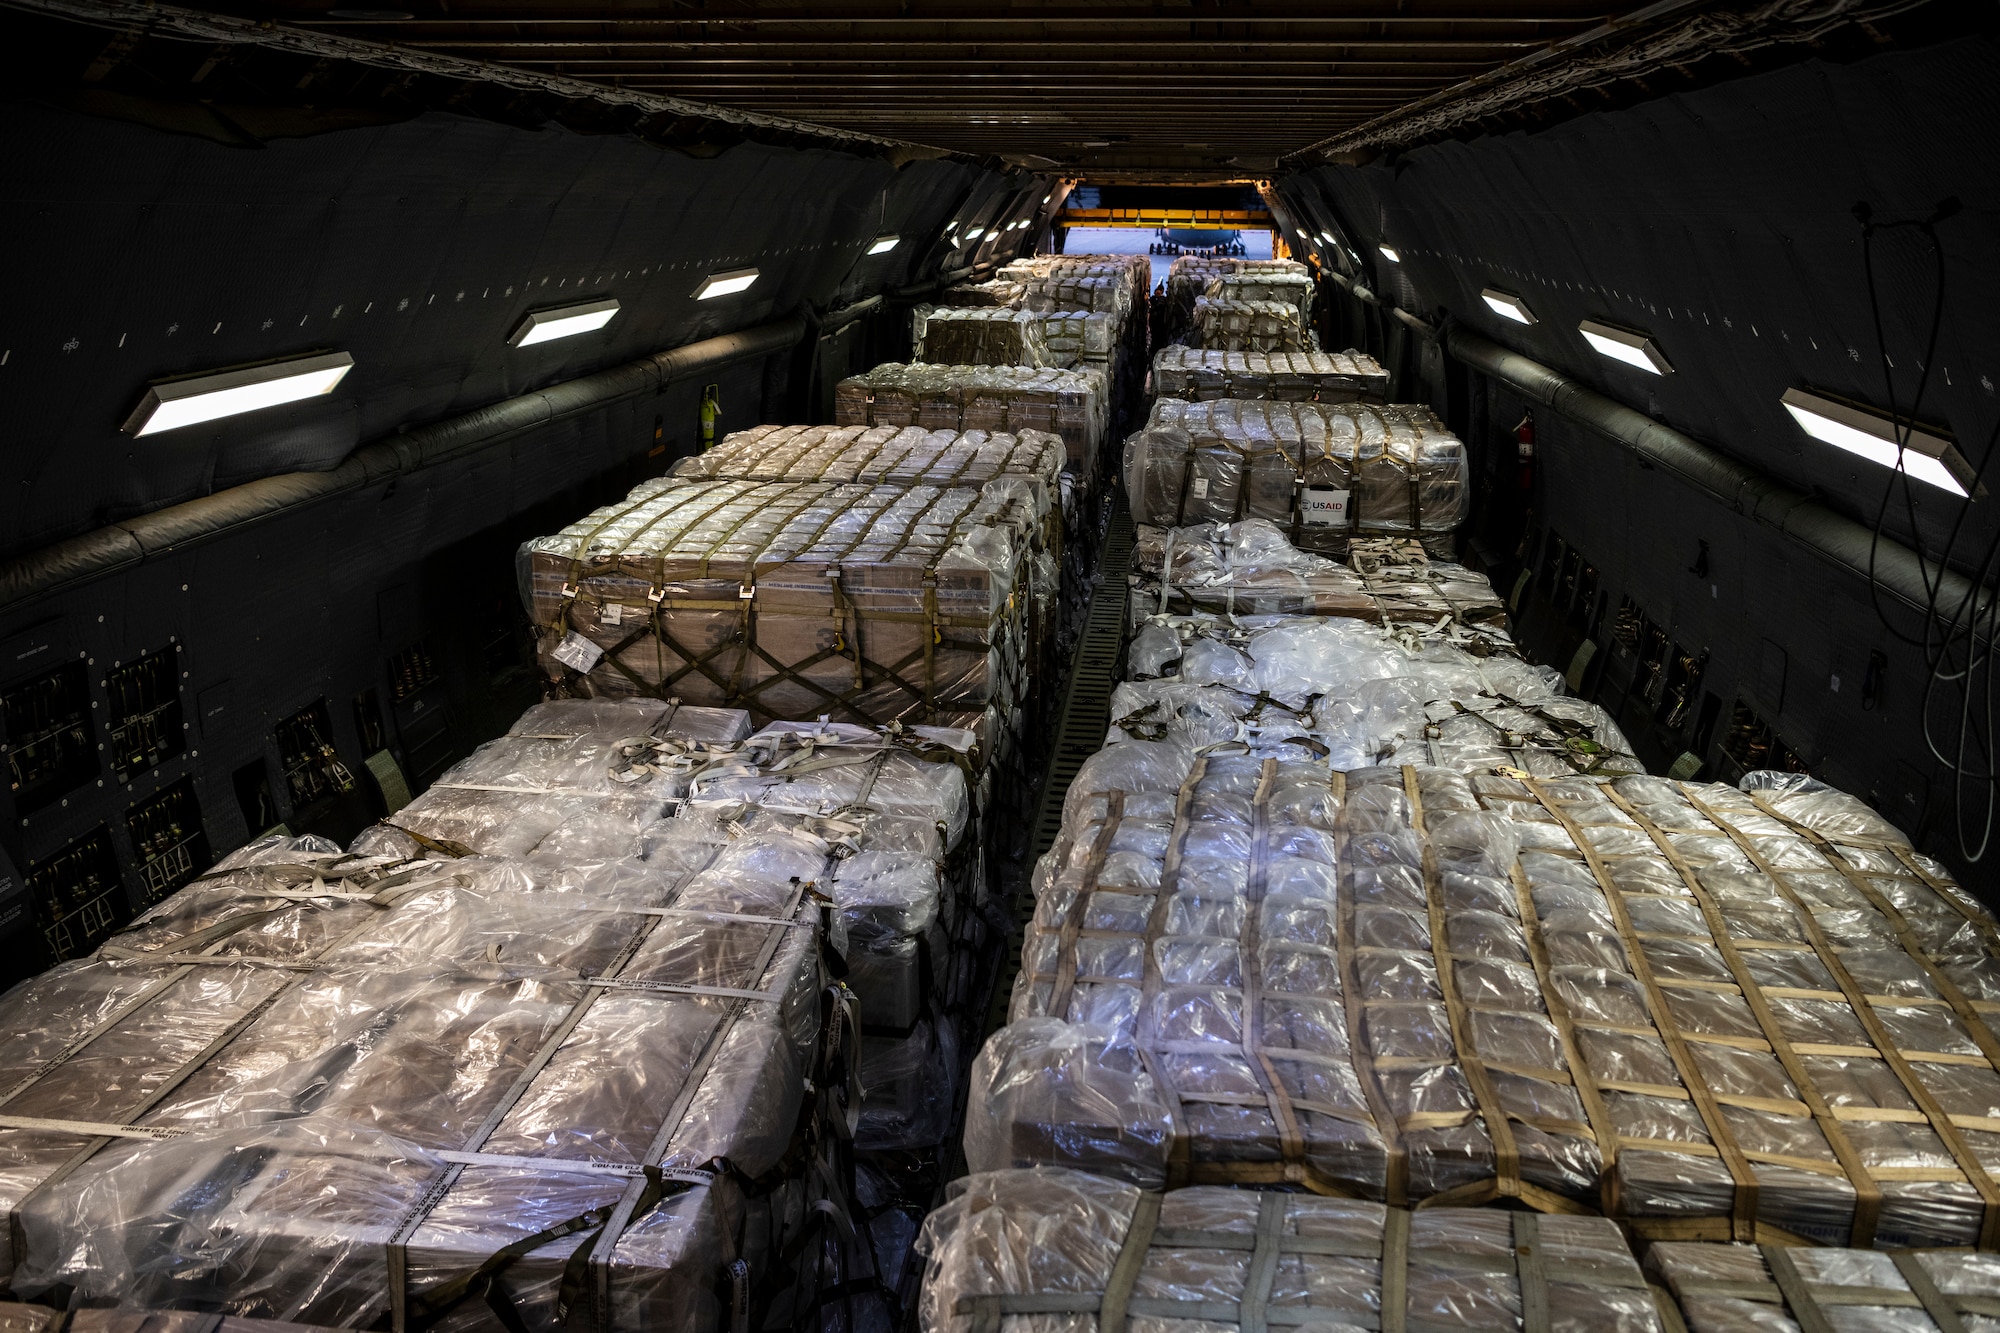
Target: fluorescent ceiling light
{"x":975,"y":233}
{"x":883,"y":245}
{"x":1634,"y":349}
{"x":1926,"y":455}
{"x":1327,"y":236}
{"x":171,"y":404}
{"x":540,"y":326}
{"x":1507,"y":305}
{"x":1389,"y":254}
{"x":725,"y":284}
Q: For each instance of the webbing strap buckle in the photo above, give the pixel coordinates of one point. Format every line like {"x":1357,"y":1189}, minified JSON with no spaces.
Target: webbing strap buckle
{"x":746,"y":591}
{"x":569,"y":590}
{"x":657,"y":595}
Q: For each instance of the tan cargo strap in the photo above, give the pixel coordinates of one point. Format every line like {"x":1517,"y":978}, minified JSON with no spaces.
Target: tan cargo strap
{"x":1079,"y":908}
{"x":1743,"y":1211}
{"x":1396,"y":1183}
{"x":1879,"y":1036}
{"x":1180,"y":1150}
{"x":1291,"y":1146}
{"x":1506,"y":1182}
{"x":1867,"y":1193}
{"x":1602,"y":1127}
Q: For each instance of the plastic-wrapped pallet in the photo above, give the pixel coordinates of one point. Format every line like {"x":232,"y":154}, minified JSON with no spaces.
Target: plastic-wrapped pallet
{"x":1777,"y":1289}
{"x":958,"y":336}
{"x":1070,"y":403}
{"x":347,"y":1082}
{"x":1101,"y":1257}
{"x":1251,"y":326}
{"x":892,"y":456}
{"x":1712,"y":1012}
{"x":997,"y":294}
{"x":1282,"y":286}
{"x":900,"y":909}
{"x":1103,"y":294}
{"x":18,"y":1318}
{"x":1134,"y":272}
{"x":1327,"y":472}
{"x":1188,"y":278}
{"x":1249,"y":568}
{"x":794,"y":599}
{"x":1327,"y":377}
{"x":1359,"y":695}
{"x":1079,"y":337}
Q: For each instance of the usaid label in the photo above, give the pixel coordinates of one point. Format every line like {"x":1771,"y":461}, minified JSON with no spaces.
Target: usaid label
{"x":1320,"y":508}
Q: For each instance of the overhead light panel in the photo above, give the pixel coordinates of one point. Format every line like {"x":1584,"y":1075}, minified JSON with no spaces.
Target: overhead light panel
{"x":540,"y":326}
{"x":725,"y":284}
{"x":171,"y":404}
{"x":1634,"y":349}
{"x":1507,"y":305}
{"x":884,"y":244}
{"x":1926,"y":455}
{"x":1389,"y":254}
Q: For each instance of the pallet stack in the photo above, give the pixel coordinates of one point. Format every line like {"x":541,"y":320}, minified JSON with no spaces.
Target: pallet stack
{"x":1325,"y":472}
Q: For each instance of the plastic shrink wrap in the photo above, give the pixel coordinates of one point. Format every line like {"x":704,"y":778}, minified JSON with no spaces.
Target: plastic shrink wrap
{"x":1070,"y":403}
{"x":1189,"y":275}
{"x":1358,"y":695}
{"x":1325,"y":472}
{"x":19,"y":1318}
{"x":917,"y":455}
{"x":1687,"y":1004}
{"x":351,"y":1081}
{"x":1227,"y":325}
{"x":869,"y":603}
{"x":998,"y":293}
{"x":1133,"y":272}
{"x":1249,"y":568}
{"x":1280,"y":285}
{"x":1297,"y":377}
{"x":1744,"y":1289}
{"x":960,"y":336}
{"x":1014,"y":1250}
{"x":1080,"y":337}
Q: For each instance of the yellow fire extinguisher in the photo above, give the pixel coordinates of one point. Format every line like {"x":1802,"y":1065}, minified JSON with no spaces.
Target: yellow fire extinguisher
{"x":711,"y":408}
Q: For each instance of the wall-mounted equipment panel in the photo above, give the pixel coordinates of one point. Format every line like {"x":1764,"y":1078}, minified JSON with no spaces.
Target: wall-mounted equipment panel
{"x":167,"y":840}
{"x":145,"y":724}
{"x":79,"y":896}
{"x":50,"y":743}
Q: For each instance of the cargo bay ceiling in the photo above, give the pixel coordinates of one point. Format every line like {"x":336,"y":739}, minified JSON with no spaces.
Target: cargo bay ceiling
{"x":1167,"y":90}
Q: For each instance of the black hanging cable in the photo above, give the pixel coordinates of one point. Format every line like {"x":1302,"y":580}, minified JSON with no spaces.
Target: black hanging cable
{"x":1957,"y":641}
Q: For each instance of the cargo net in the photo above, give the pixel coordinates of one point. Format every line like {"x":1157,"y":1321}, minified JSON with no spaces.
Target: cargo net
{"x":1071,"y":404}
{"x":1189,"y":275}
{"x":892,"y":456}
{"x":1712,"y":1013}
{"x":1050,"y":1244}
{"x":586,"y":1070}
{"x":961,"y":336}
{"x":1324,"y":472}
{"x":1357,"y":695}
{"x":1224,"y":324}
{"x":1721,"y":1288}
{"x":867,"y":604}
{"x":1297,"y":377}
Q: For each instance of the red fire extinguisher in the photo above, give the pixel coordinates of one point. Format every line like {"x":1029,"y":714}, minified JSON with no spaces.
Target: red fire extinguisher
{"x":1524,"y":441}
